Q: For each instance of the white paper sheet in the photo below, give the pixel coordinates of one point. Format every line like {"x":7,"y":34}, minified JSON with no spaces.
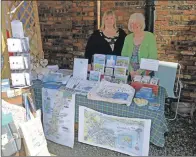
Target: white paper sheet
{"x":18,"y":112}
{"x":149,"y":64}
{"x":126,"y":135}
{"x":34,"y":137}
{"x":58,"y":116}
{"x":80,"y":68}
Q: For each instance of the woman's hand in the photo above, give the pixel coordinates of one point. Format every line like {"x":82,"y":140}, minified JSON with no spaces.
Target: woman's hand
{"x":89,"y":67}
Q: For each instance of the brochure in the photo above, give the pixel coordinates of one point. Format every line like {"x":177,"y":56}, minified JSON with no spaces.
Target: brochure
{"x":109,"y":71}
{"x":95,"y":76}
{"x":119,"y":70}
{"x":110,"y":60}
{"x":121,"y":79}
{"x":99,"y":59}
{"x":108,"y":78}
{"x":122,"y":61}
{"x":98,"y":67}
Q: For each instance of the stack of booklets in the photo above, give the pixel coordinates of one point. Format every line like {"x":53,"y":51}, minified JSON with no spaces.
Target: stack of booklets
{"x":114,"y":68}
{"x":121,"y":69}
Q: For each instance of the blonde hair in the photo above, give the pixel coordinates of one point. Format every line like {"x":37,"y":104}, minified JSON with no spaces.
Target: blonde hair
{"x":108,"y":13}
{"x":137,"y":17}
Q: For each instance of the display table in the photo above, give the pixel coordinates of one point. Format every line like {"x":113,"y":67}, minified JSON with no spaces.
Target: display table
{"x":158,"y":121}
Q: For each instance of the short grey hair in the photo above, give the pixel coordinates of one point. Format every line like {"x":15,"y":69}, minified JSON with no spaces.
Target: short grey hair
{"x":137,"y":17}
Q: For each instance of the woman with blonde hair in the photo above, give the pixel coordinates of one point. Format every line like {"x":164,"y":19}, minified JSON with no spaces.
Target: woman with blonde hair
{"x":139,"y":44}
{"x":107,"y":40}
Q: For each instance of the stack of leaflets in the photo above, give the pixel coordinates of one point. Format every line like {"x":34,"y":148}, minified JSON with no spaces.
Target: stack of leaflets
{"x":99,"y":62}
{"x":113,"y":67}
{"x":120,"y":69}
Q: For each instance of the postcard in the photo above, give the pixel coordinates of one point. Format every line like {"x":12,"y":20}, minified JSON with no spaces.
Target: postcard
{"x":18,"y":79}
{"x":145,"y":79}
{"x":109,"y":71}
{"x":99,"y":59}
{"x":122,"y":61}
{"x":95,"y":76}
{"x":110,"y":60}
{"x":16,"y":62}
{"x":119,"y":70}
{"x":121,"y":79}
{"x":99,"y":67}
{"x":154,"y":81}
{"x":108,"y":78}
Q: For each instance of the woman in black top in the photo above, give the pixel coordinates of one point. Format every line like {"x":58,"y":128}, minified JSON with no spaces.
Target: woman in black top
{"x":108,"y":40}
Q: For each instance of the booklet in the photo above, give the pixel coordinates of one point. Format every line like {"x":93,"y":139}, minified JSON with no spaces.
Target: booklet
{"x":109,"y":71}
{"x":95,"y":76}
{"x":98,"y":67}
{"x":110,"y":60}
{"x":99,"y":59}
{"x":122,"y":61}
{"x":121,"y":79}
{"x":119,"y":70}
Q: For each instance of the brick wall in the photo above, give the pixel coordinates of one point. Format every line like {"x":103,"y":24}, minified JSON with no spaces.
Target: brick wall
{"x":175,"y":28}
{"x":65,"y":28}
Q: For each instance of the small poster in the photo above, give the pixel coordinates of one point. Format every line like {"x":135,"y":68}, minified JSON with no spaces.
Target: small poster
{"x":109,"y":71}
{"x":110,"y":60}
{"x":119,"y":70}
{"x":122,"y":61}
{"x":99,"y":59}
{"x":95,"y":76}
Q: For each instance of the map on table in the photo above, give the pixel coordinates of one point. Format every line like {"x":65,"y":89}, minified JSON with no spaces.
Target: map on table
{"x":58,"y":116}
{"x":126,"y":135}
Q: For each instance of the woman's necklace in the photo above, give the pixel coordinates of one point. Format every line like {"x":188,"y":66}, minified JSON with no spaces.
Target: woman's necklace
{"x":110,"y":32}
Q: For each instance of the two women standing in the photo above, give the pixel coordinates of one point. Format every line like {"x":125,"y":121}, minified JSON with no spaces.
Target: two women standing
{"x":110,"y":40}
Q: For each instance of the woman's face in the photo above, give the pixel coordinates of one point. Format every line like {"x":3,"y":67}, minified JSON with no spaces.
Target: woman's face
{"x":136,"y":26}
{"x":109,"y":21}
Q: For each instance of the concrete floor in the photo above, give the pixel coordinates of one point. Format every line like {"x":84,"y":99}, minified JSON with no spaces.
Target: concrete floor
{"x":180,"y":141}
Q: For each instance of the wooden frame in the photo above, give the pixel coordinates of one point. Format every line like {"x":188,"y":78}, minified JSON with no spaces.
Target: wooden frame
{"x":27,"y":13}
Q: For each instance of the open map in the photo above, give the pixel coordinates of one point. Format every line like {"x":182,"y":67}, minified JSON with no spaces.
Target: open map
{"x":58,"y":116}
{"x":126,"y":135}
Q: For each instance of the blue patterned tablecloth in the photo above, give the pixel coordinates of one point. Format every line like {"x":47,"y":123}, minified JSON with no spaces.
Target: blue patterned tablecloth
{"x":158,"y":121}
